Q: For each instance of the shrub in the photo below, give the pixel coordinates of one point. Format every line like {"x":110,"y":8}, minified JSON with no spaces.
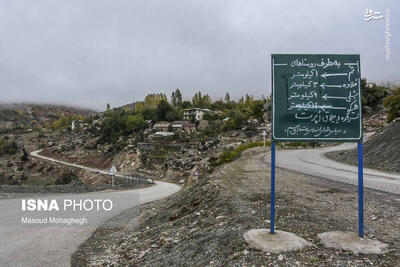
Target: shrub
{"x":24,"y":156}
{"x":236,"y":120}
{"x":64,"y":121}
{"x":66,"y":178}
{"x":7,"y":147}
{"x":372,"y":96}
{"x":229,"y":155}
{"x":392,"y":104}
{"x":41,"y":145}
{"x":23,"y":177}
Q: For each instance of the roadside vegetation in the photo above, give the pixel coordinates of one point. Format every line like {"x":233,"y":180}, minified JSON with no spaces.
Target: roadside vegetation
{"x":392,"y":104}
{"x":232,"y":154}
{"x":229,"y":155}
{"x":64,"y":121}
{"x":372,"y":96}
{"x":8,"y":147}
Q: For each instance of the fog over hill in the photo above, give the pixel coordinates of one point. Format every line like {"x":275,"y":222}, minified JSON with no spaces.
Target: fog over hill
{"x":89,"y":53}
{"x":14,"y":115}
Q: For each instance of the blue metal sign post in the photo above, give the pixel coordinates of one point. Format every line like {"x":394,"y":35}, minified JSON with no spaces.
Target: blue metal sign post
{"x":272,"y":225}
{"x":360,"y":191}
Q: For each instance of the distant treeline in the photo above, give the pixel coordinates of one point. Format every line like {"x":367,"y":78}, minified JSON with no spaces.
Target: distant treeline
{"x":156,"y":107}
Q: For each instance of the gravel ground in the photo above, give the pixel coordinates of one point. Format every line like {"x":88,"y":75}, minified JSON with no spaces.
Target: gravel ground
{"x":381,"y":151}
{"x":202,"y":225}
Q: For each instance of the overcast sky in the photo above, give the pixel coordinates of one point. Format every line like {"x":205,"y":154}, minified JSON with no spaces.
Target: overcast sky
{"x":92,"y":52}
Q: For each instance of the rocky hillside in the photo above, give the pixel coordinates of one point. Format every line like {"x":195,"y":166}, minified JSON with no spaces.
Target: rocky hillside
{"x":381,"y":151}
{"x":26,"y":116}
{"x":203,"y":224}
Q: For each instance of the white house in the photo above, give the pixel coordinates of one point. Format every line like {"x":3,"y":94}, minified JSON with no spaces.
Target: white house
{"x":196,"y":113}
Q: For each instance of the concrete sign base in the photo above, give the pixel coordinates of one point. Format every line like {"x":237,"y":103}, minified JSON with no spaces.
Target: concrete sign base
{"x":352,"y":242}
{"x":278,"y":242}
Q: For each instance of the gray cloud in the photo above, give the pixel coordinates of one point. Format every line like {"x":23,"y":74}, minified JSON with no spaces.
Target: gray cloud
{"x":93,"y":52}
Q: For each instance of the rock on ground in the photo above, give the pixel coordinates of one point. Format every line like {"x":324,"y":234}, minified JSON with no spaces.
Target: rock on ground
{"x":278,"y":242}
{"x":352,"y":242}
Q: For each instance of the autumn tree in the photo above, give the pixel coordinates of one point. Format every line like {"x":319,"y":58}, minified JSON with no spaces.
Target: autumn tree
{"x":201,"y":101}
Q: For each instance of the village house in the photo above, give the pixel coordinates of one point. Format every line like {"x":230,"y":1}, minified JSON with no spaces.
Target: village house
{"x":196,"y":113}
{"x":162,"y":134}
{"x":161,"y":126}
{"x":164,"y":126}
{"x":183,"y":125}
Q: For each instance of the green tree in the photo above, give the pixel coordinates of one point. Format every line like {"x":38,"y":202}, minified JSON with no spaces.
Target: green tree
{"x":257,"y":109}
{"x":135,"y":123}
{"x":173,"y":115}
{"x":248,"y":101}
{"x":24,"y":156}
{"x":186,"y":104}
{"x":372,"y":96}
{"x":176,"y":98}
{"x":219,"y":105}
{"x":149,"y":114}
{"x":173,"y":99}
{"x":152,"y":100}
{"x":392,"y":104}
{"x":113,"y":126}
{"x":162,"y":109}
{"x":236,"y":120}
{"x":227,"y":98}
{"x":201,"y":101}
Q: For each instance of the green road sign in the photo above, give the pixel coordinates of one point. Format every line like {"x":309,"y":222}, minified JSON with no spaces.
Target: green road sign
{"x":316,"y":98}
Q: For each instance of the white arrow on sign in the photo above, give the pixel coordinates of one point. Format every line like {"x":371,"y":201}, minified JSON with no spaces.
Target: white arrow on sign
{"x":333,"y":97}
{"x":324,"y":85}
{"x":324,"y":75}
{"x":113,"y":170}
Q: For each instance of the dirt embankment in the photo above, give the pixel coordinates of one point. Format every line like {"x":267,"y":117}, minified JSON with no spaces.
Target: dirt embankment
{"x":94,"y":162}
{"x":382,"y":151}
{"x":202,"y":225}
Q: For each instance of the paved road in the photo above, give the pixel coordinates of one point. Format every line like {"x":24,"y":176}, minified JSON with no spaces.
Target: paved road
{"x":53,"y":244}
{"x":36,"y":154}
{"x":314,"y":162}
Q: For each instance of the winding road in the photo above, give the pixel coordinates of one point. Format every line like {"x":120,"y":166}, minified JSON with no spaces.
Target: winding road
{"x":53,"y":244}
{"x":314,"y":162}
